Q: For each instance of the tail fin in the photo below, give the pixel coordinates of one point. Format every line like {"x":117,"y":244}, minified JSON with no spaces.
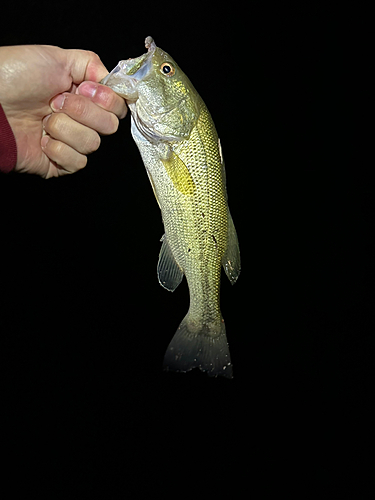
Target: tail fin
{"x":204,"y":347}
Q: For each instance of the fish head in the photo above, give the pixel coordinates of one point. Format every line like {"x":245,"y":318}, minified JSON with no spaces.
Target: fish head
{"x":162,"y":100}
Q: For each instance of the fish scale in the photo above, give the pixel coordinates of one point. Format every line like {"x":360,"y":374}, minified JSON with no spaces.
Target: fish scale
{"x":198,"y":241}
{"x":180,"y":149}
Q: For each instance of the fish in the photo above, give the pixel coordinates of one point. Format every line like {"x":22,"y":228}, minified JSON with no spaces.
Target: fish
{"x":181,"y":152}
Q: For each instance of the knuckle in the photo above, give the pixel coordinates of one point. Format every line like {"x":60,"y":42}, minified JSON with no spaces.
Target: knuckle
{"x":81,"y":162}
{"x":56,"y":124}
{"x":51,"y":124}
{"x":80,"y":108}
{"x":92,"y":143}
{"x":93,"y":56}
{"x":56,"y":148}
{"x":113,"y":124}
{"x":96,"y":143}
{"x":110,"y":101}
{"x":105,"y":96}
{"x":124,"y":112}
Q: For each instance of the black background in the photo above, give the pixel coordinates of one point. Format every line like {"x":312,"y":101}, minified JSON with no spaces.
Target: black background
{"x":84,"y":322}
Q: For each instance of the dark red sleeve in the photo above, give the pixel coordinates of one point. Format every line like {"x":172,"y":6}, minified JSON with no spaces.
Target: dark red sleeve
{"x":8,"y":146}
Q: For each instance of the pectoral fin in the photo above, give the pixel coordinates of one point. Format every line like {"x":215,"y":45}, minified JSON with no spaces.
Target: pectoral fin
{"x":169,"y":273}
{"x":179,"y":174}
{"x":231,"y":260}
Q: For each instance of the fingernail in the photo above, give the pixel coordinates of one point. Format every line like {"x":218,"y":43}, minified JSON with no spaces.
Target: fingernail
{"x":58,"y":102}
{"x":44,"y":141}
{"x":88,"y":89}
{"x":45,"y":120}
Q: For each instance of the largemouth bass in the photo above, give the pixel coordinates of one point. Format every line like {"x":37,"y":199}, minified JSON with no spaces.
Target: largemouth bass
{"x":181,"y":151}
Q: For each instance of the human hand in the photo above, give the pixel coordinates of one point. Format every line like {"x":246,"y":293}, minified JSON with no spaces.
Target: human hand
{"x":55,"y":107}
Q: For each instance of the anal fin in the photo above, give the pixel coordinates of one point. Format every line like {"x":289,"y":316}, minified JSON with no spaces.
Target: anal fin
{"x":231,"y":259}
{"x":169,"y":273}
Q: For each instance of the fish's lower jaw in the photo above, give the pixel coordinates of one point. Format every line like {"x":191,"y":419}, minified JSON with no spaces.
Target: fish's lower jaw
{"x":203,"y":347}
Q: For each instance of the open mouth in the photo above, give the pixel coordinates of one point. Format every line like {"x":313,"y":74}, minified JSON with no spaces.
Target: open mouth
{"x":124,"y":77}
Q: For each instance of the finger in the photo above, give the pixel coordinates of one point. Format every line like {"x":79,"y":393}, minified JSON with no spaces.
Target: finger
{"x":104,"y":97}
{"x":84,"y":111}
{"x":63,"y":128}
{"x":85,"y":65}
{"x":65,"y":156}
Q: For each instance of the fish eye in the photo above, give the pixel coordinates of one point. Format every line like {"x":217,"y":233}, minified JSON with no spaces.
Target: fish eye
{"x":167,"y":69}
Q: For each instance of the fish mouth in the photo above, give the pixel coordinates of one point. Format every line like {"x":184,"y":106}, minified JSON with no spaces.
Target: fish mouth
{"x":124,"y":78}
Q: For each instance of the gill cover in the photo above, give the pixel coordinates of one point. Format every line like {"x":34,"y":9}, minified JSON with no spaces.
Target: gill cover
{"x":161,"y":98}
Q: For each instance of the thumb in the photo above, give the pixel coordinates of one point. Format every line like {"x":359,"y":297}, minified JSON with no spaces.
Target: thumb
{"x":85,"y":65}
